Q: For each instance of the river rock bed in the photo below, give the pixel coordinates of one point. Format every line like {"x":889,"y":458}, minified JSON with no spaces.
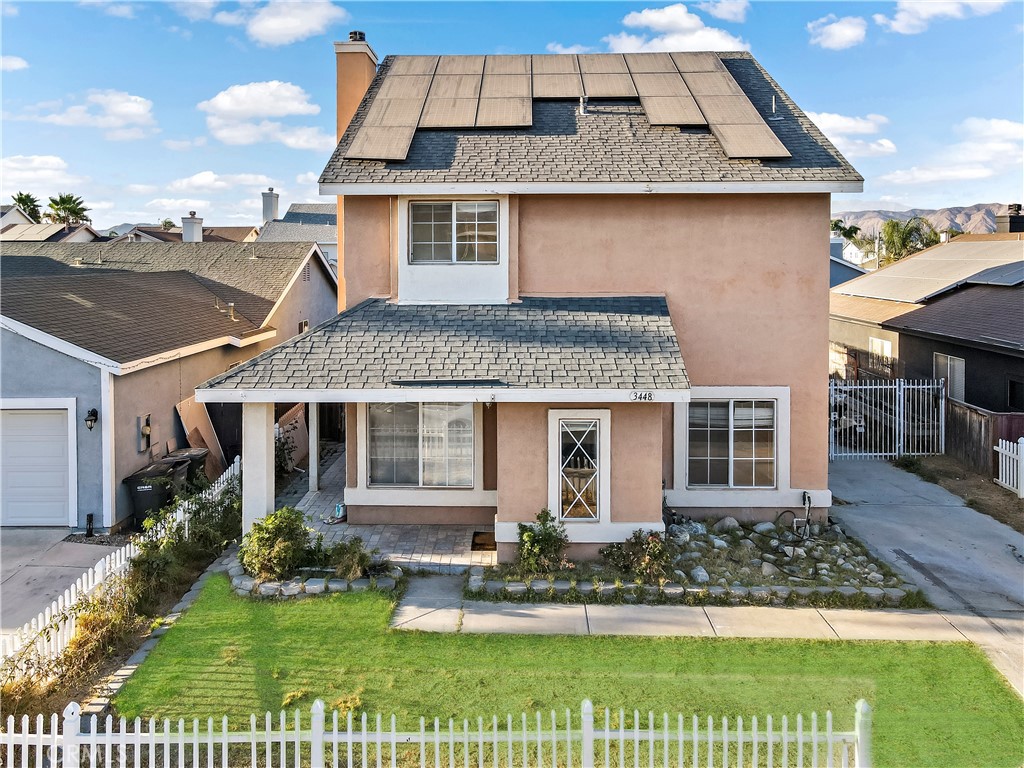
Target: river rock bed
{"x":311,"y":581}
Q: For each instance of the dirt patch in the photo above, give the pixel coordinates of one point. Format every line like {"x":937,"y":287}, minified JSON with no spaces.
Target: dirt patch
{"x":978,"y":491}
{"x":104,"y":539}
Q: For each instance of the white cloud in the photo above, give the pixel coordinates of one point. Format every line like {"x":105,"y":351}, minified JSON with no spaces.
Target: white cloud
{"x":8,"y":9}
{"x":178,"y":204}
{"x":307,"y":178}
{"x":12,"y":63}
{"x":181,"y":145}
{"x":727,"y":10}
{"x":40,"y":174}
{"x":840,"y":129}
{"x":676,"y":30}
{"x":559,"y":48}
{"x":987,"y":148}
{"x":914,"y":16}
{"x":118,"y":10}
{"x":208,"y":181}
{"x":232,"y":116}
{"x":140,"y":189}
{"x":282,"y":22}
{"x":124,"y":116}
{"x":230,"y":18}
{"x":836,"y":34}
{"x":267,"y":99}
{"x":195,"y":10}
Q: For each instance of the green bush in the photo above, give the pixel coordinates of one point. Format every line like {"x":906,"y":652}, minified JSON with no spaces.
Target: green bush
{"x":279,"y":544}
{"x":350,"y":559}
{"x":542,"y":545}
{"x":645,"y":555}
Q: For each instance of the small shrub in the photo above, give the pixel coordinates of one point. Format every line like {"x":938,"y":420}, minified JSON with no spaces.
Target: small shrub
{"x":645,"y":555}
{"x":277,"y":545}
{"x":542,"y":545}
{"x":350,"y":559}
{"x":908,"y":463}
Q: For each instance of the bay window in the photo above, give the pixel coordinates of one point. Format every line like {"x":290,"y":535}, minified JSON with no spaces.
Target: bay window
{"x":731,"y":443}
{"x":426,"y":445}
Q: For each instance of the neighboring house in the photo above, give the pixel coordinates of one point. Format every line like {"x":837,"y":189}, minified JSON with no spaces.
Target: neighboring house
{"x":303,"y":222}
{"x":129,"y":329}
{"x":847,"y":250}
{"x":49,"y":233}
{"x":522,"y":278}
{"x":953,"y":311}
{"x":12,"y":214}
{"x":191,"y":231}
{"x":840,"y":270}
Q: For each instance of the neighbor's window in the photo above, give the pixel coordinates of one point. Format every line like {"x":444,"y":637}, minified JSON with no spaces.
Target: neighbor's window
{"x":880,"y":355}
{"x":303,"y":326}
{"x":952,"y":370}
{"x":421,"y":444}
{"x":731,"y":443}
{"x":454,"y":232}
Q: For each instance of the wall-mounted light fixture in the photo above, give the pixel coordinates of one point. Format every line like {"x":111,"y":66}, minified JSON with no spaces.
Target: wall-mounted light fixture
{"x":91,"y":418}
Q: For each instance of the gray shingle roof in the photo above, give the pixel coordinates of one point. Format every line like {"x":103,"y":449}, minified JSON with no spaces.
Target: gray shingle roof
{"x":986,"y":315}
{"x":122,"y":316}
{"x":549,"y":343}
{"x":226,"y":269}
{"x":614,"y":142}
{"x":312,"y":213}
{"x":291,"y":232}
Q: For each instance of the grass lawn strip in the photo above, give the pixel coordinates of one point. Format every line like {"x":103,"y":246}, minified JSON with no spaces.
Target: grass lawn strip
{"x":935,"y":704}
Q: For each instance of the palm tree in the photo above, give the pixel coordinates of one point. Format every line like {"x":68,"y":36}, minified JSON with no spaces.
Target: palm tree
{"x":67,"y":209}
{"x":29,"y":205}
{"x":849,"y":233}
{"x":902,"y":238}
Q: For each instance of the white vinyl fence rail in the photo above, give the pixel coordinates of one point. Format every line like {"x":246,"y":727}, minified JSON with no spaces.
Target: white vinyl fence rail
{"x":1010,"y":466}
{"x":575,"y":739}
{"x":53,"y":628}
{"x":886,"y":418}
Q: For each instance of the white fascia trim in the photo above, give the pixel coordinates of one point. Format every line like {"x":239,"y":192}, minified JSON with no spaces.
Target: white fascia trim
{"x":195,"y":349}
{"x":107,"y":446}
{"x":591,"y":188}
{"x":59,"y":345}
{"x":70,"y":405}
{"x":441,"y":395}
{"x":315,"y":249}
{"x":590,"y":533}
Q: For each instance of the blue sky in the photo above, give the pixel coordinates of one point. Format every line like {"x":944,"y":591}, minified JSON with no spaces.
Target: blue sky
{"x":150,"y":109}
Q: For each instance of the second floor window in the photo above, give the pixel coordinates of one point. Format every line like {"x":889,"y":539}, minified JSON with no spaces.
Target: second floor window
{"x":454,"y":232}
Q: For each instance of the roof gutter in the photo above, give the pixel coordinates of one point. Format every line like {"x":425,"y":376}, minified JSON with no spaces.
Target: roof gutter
{"x":591,"y":188}
{"x":459,"y":394}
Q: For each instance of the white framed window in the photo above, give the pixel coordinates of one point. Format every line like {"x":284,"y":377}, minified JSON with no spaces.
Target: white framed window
{"x":453,"y":232}
{"x":952,"y":369}
{"x":731,"y":444}
{"x":303,"y":326}
{"x":880,"y":355}
{"x":428,"y":445}
{"x":579,"y":451}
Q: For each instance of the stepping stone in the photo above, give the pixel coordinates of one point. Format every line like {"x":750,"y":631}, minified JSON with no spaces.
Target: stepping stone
{"x":738,"y":591}
{"x":893,"y":595}
{"x":715,"y":592}
{"x":671,"y":589}
{"x":516,"y":588}
{"x":874,"y":593}
{"x":585,"y":587}
{"x":781,"y":591}
{"x":245,"y":583}
{"x":561,"y":587}
{"x":291,"y":588}
{"x":848,"y":591}
{"x":493,"y":587}
{"x":804,"y":591}
{"x":760,"y":594}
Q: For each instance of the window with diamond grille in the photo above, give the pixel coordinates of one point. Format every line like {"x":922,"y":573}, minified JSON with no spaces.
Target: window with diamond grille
{"x":578,"y":469}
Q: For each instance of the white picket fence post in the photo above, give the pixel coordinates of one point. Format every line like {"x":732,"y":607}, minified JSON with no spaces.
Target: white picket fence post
{"x":316,"y":736}
{"x":1010,"y":466}
{"x":587,"y":751}
{"x":862,"y":729}
{"x":70,"y":736}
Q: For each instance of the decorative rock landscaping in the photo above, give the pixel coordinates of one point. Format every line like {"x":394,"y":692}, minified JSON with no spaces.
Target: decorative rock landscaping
{"x":312,"y":582}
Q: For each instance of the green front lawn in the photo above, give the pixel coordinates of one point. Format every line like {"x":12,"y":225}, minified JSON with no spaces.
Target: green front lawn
{"x":935,"y":704}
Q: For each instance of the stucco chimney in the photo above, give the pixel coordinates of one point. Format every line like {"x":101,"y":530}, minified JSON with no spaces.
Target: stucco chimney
{"x":191,"y":228}
{"x":357,"y":64}
{"x":1011,"y":221}
{"x":270,"y":198}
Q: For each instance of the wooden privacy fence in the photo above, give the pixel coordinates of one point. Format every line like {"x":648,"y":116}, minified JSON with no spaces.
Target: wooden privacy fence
{"x":1010,"y":466}
{"x":51,"y":631}
{"x":576,"y":739}
{"x":971,"y":433}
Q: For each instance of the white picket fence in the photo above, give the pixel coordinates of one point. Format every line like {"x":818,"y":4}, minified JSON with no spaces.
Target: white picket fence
{"x":613,"y":739}
{"x":886,"y":419}
{"x":53,"y":628}
{"x":1010,"y":466}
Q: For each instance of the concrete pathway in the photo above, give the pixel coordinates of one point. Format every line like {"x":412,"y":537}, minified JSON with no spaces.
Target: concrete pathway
{"x":969,"y":565}
{"x":37,"y":565}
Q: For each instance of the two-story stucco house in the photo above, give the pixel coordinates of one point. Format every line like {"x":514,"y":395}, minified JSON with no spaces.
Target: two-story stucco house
{"x":556,"y":290}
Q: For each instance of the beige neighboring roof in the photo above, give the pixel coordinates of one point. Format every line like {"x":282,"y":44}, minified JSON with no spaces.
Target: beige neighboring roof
{"x":935,"y":270}
{"x":867,"y":310}
{"x":40,"y":233}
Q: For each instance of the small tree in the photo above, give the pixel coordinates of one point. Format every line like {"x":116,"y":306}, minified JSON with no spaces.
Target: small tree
{"x":29,"y":204}
{"x":847,"y":232}
{"x":902,"y":238}
{"x":67,"y":209}
{"x":166,"y":224}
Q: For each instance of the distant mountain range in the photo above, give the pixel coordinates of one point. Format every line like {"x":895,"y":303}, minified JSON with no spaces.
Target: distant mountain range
{"x":978,"y":219}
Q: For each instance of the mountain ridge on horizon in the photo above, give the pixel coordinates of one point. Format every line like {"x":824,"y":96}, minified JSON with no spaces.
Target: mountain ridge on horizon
{"x":979,"y":219}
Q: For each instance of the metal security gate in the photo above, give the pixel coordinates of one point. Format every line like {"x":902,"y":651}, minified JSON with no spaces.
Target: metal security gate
{"x":886,"y":419}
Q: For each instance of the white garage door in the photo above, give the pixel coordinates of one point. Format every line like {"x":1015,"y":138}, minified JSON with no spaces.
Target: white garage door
{"x":34,"y":468}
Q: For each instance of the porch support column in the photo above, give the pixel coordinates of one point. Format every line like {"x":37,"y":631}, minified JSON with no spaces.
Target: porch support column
{"x":257,"y":462}
{"x":313,"y":427}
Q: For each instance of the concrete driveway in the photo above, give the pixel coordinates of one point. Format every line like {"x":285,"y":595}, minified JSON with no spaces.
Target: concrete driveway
{"x":970,"y":566}
{"x":36,"y":566}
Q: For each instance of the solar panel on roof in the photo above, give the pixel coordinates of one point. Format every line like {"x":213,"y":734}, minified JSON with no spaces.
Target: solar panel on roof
{"x":413,"y":65}
{"x":503,"y":86}
{"x":650,"y":62}
{"x":505,"y":113}
{"x":381,"y":143}
{"x":507,"y":65}
{"x":404,"y":87}
{"x":602,"y":63}
{"x":712,"y":84}
{"x":554,"y":64}
{"x":460,"y":65}
{"x":698,"y":62}
{"x":743,"y":141}
{"x":672,"y":110}
{"x":729,"y":110}
{"x":660,"y":84}
{"x":449,"y":113}
{"x":608,"y":86}
{"x":394,"y":112}
{"x":557,"y":86}
{"x":455,"y":87}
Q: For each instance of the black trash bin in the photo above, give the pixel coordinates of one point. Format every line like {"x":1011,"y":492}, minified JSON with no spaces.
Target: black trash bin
{"x":179,"y":471}
{"x":197,"y":461}
{"x":151,"y":489}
